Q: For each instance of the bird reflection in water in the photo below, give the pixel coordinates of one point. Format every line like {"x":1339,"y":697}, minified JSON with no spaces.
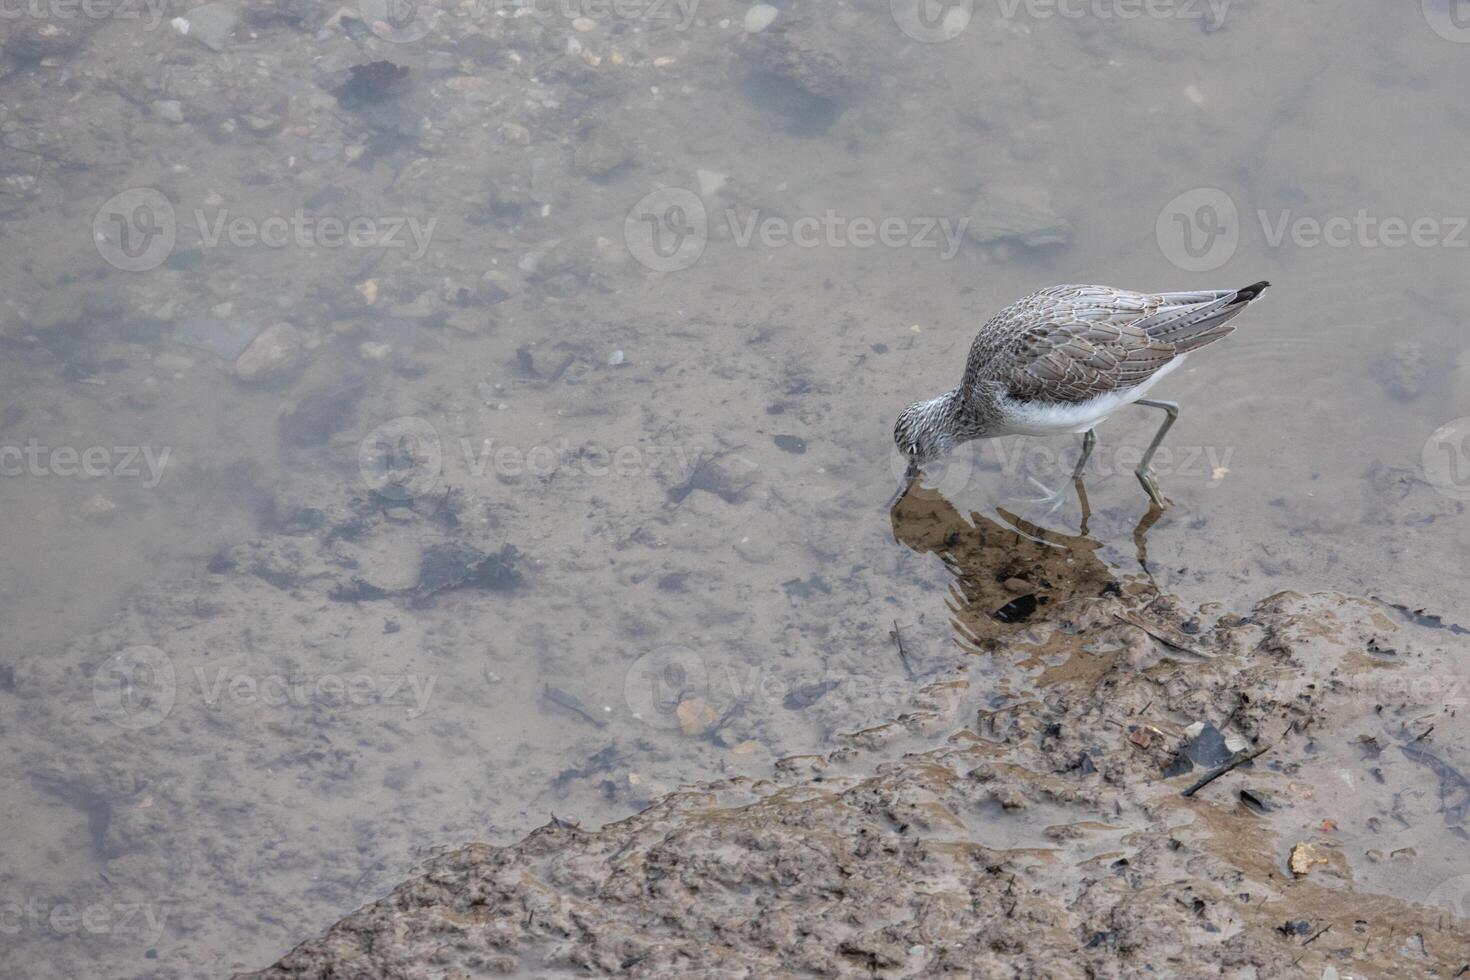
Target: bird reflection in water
{"x":1008,"y":571}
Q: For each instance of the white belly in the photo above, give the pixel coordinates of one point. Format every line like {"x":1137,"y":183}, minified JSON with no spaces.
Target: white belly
{"x":1042,"y":419}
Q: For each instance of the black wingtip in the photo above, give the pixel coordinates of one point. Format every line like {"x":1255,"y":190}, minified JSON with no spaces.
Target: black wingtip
{"x":1248,"y":293}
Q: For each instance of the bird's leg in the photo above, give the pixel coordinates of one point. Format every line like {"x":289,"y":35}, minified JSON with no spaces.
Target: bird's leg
{"x":1088,"y":441}
{"x":1145,"y":472}
{"x":1054,"y":497}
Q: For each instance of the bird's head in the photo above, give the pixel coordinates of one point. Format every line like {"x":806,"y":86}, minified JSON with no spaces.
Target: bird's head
{"x":925,"y":431}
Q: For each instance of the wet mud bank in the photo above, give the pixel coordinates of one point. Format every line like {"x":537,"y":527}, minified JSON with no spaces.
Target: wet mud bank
{"x":1043,"y":809}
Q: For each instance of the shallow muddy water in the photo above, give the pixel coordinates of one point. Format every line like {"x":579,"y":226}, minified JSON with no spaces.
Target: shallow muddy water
{"x":562,"y":485}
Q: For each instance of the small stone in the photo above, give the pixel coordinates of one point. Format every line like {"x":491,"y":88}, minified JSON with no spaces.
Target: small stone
{"x":98,"y":506}
{"x":584,"y":24}
{"x":368,"y":291}
{"x":274,"y":351}
{"x":615,"y":358}
{"x":710,"y":182}
{"x":759,"y":17}
{"x":172,"y":363}
{"x":1404,"y":372}
{"x":1017,"y":215}
{"x":212,"y":24}
{"x":757,"y":551}
{"x":600,"y":154}
{"x":171,"y":110}
{"x":466,"y":322}
{"x":695,"y":716}
{"x":374,"y":351}
{"x":1304,"y":857}
{"x":746,"y":747}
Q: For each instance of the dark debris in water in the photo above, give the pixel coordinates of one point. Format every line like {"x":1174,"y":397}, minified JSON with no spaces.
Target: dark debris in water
{"x":808,"y":694}
{"x":806,"y":588}
{"x":1205,"y":750}
{"x":791,"y":444}
{"x":322,"y":413}
{"x":572,"y":703}
{"x":461,"y":566}
{"x":377,"y":81}
{"x":1018,"y":610}
{"x":1421,"y":618}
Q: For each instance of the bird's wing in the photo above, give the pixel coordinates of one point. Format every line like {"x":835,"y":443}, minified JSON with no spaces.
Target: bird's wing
{"x":1073,"y":343}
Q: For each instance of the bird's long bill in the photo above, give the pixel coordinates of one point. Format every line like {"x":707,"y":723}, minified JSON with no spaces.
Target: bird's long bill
{"x":909,"y":476}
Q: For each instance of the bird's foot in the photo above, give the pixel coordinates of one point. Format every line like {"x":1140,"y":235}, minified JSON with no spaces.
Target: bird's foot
{"x":1150,"y":481}
{"x":1048,"y":495}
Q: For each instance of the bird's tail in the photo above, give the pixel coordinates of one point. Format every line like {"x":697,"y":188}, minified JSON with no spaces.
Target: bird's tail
{"x":1192,"y":320}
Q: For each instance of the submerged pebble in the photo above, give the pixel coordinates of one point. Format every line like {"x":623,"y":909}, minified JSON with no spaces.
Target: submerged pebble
{"x":759,"y":17}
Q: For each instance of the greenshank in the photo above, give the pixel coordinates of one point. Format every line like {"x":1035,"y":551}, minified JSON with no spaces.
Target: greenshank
{"x":1062,"y":360}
